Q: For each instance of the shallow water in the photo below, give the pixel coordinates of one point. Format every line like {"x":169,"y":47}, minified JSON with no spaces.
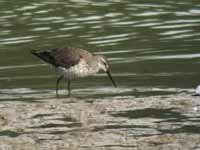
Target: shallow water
{"x":153,"y":49}
{"x":149,"y":44}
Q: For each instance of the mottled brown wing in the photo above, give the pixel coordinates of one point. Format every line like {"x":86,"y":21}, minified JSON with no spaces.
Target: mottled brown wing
{"x":65,"y":57}
{"x":68,"y":57}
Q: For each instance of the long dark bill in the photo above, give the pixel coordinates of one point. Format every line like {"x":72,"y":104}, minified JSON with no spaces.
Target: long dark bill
{"x":113,"y":81}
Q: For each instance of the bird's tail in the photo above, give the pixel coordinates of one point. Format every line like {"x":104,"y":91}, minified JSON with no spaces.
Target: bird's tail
{"x":45,"y":56}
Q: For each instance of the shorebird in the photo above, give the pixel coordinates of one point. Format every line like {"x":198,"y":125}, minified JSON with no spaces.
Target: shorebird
{"x":72,"y":63}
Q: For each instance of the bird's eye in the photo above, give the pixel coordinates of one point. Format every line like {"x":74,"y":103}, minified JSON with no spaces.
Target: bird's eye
{"x":104,"y":63}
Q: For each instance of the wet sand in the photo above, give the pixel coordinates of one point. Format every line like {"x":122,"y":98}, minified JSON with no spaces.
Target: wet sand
{"x":156,"y":122}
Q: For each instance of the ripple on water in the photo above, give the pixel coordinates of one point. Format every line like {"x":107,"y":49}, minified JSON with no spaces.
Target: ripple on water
{"x":175,"y":26}
{"x":48,"y":19}
{"x":16,"y":40}
{"x":25,"y":8}
{"x":41,"y":29}
{"x":173,"y":32}
{"x":112,"y":39}
{"x":181,"y":56}
{"x":28,"y":93}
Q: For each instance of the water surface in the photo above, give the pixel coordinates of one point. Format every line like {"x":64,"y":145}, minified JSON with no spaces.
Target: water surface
{"x":149,"y":44}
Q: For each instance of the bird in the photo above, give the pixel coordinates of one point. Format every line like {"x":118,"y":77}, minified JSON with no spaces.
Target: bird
{"x":72,"y":63}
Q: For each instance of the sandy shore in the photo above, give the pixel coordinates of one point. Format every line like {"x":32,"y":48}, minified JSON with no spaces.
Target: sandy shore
{"x":156,"y":122}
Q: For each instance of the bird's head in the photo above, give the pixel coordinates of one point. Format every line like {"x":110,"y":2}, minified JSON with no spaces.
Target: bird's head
{"x":104,"y":65}
{"x":102,"y":62}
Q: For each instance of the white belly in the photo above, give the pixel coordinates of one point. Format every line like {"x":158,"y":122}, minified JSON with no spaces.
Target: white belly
{"x":82,"y":69}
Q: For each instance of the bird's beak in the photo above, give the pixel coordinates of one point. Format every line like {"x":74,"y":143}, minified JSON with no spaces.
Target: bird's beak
{"x":113,"y":81}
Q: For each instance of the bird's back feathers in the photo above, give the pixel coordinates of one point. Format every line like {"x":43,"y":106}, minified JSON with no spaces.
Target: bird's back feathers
{"x":64,"y":57}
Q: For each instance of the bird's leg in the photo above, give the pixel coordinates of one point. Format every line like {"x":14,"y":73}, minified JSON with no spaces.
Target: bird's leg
{"x":57,"y":83}
{"x":69,"y":88}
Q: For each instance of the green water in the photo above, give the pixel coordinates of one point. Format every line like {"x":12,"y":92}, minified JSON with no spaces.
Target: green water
{"x":149,"y":44}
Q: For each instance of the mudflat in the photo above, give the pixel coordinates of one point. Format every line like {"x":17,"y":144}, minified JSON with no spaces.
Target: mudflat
{"x":154,"y":122}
